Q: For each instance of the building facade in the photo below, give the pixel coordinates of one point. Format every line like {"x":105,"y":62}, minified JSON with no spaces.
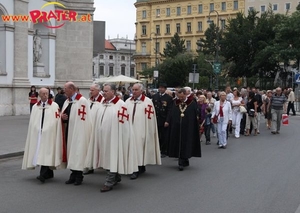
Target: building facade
{"x":282,"y":6}
{"x":41,"y":55}
{"x":116,"y":59}
{"x":157,"y":21}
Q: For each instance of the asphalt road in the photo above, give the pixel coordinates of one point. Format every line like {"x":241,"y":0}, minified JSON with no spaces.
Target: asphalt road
{"x":253,"y":175}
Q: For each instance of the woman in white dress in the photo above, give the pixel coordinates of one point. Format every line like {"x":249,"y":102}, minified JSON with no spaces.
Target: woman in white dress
{"x":236,"y":102}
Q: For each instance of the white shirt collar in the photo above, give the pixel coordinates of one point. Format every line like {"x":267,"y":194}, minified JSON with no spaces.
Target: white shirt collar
{"x":73,"y":96}
{"x":111,"y":100}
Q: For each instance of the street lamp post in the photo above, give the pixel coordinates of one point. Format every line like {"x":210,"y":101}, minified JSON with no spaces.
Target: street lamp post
{"x":129,"y":55}
{"x":217,"y":49}
{"x":156,"y":58}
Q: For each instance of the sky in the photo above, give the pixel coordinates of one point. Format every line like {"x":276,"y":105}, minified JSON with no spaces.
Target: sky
{"x":119,"y":16}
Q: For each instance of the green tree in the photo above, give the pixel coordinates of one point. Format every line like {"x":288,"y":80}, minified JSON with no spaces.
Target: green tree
{"x":174,"y":70}
{"x":175,"y":47}
{"x":209,"y":44}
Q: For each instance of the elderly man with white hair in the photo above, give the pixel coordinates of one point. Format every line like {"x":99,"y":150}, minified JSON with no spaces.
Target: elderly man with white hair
{"x":40,"y":143}
{"x":96,"y":99}
{"x":188,"y":91}
{"x":142,"y":119}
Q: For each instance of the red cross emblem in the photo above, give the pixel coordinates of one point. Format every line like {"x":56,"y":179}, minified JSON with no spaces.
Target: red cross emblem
{"x":149,"y":111}
{"x":57,"y":115}
{"x":82,"y":112}
{"x":123,"y":115}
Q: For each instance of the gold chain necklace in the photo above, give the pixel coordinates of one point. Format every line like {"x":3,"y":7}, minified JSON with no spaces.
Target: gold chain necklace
{"x":182,"y":109}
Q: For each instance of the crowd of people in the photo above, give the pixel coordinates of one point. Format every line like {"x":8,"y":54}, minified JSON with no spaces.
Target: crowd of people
{"x":123,"y":130}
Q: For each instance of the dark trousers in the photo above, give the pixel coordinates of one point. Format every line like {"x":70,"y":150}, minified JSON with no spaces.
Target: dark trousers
{"x":76,"y":176}
{"x":291,"y":106}
{"x":31,"y":105}
{"x":46,"y":172}
{"x":183,"y":162}
{"x":207,"y":132}
{"x":162,"y":136}
{"x":243,"y":124}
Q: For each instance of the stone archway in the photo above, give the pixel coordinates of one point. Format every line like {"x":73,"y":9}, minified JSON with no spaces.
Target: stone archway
{"x":6,"y":44}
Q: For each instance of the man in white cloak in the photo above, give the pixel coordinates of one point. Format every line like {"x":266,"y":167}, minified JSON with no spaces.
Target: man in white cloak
{"x":143,"y":123}
{"x":96,"y":98}
{"x":74,"y":135}
{"x":41,"y":137}
{"x":113,"y":148}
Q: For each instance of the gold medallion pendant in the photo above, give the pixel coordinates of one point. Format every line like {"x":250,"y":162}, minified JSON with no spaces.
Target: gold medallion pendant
{"x":182,"y":109}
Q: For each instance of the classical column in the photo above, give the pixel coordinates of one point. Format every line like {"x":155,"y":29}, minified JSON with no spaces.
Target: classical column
{"x":21,"y":46}
{"x":20,"y":83}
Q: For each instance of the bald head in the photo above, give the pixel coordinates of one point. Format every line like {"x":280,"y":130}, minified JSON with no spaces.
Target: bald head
{"x":70,"y":89}
{"x":44,"y":94}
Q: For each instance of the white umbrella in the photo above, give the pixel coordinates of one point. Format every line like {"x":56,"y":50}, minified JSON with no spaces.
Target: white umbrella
{"x":102,"y":80}
{"x":123,"y":79}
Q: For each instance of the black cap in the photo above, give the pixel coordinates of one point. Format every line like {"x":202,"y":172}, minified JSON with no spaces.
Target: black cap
{"x":58,"y":88}
{"x":163,"y":85}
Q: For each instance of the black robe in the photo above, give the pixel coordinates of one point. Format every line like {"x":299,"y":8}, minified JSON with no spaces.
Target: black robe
{"x":188,"y":128}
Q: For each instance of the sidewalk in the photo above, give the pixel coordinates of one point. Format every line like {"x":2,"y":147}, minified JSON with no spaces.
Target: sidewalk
{"x":13,"y":132}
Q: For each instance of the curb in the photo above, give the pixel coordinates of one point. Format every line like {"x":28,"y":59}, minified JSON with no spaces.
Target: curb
{"x":11,"y":155}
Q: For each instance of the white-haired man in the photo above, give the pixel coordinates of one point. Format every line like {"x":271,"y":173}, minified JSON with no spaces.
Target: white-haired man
{"x":144,"y":125}
{"x":96,"y":99}
{"x":188,"y":91}
{"x":41,"y":137}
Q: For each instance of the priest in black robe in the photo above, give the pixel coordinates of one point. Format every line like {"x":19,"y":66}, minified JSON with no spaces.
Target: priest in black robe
{"x":184,"y":141}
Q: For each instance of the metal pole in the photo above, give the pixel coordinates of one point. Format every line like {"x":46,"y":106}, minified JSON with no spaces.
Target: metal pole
{"x":217,"y":48}
{"x":130,"y":58}
{"x":217,"y":51}
{"x":156,"y":50}
{"x":194,"y":72}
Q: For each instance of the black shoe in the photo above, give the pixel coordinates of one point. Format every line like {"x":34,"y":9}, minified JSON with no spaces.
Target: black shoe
{"x":70,"y":181}
{"x":180,"y":168}
{"x":163,"y":155}
{"x":89,"y":172}
{"x":224,"y":147}
{"x":207,"y":143}
{"x":105,"y":188}
{"x":41,"y":178}
{"x":134,"y":176}
{"x":220,"y":147}
{"x":77,"y":182}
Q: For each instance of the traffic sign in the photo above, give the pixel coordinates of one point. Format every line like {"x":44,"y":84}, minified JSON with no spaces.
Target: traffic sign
{"x":217,"y":67}
{"x":194,"y":78}
{"x":297,"y":78}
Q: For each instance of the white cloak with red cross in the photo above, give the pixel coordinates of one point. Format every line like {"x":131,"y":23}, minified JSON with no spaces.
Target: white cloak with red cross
{"x":96,"y":103}
{"x":40,"y":143}
{"x":145,"y":130}
{"x":73,"y":152}
{"x":112,"y":146}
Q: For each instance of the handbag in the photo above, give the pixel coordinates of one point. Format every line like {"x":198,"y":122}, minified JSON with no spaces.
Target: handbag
{"x":215,"y":119}
{"x":251,"y":113}
{"x":243,"y":109}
